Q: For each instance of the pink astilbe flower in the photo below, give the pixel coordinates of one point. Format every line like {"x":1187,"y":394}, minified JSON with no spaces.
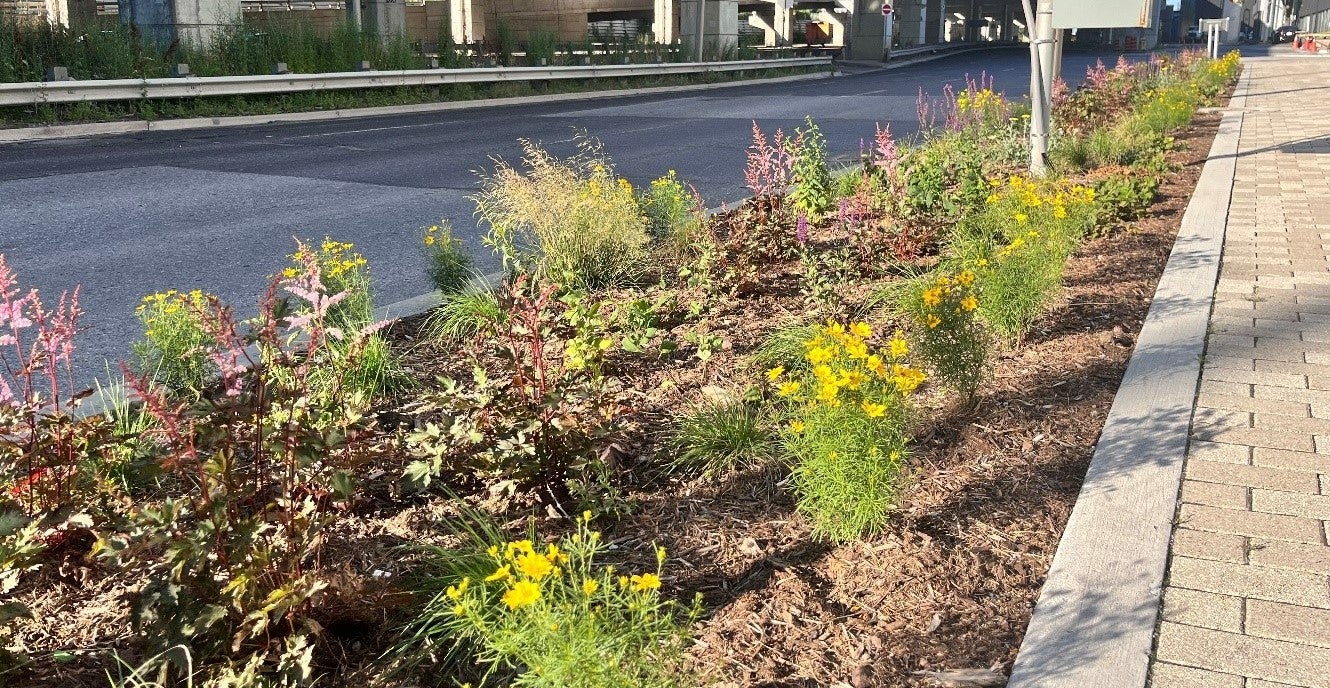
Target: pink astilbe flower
{"x":886,"y":154}
{"x":769,"y":164}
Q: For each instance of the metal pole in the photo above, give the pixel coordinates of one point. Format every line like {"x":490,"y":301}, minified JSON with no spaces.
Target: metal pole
{"x":701,"y":27}
{"x":1038,"y":100}
{"x":353,"y":9}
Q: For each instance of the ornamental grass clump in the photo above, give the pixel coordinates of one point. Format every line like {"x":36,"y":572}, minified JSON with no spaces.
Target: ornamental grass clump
{"x":720,"y":435}
{"x":948,"y":335}
{"x":846,"y":428}
{"x":554,"y":617}
{"x":571,"y":221}
{"x":174,"y":350}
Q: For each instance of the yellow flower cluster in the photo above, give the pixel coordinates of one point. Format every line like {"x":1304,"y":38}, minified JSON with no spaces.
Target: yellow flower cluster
{"x":981,"y":101}
{"x":949,"y":296}
{"x":164,"y":312}
{"x":846,"y":369}
{"x":335,"y":259}
{"x":436,"y":234}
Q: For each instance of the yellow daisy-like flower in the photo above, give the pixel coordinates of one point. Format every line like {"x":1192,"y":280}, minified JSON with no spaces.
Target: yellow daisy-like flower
{"x":932,"y":297}
{"x":534,"y":566}
{"x":429,"y":239}
{"x":874,"y":410}
{"x":862,"y":330}
{"x":775,"y":373}
{"x":899,"y":347}
{"x":590,"y":586}
{"x":519,"y":547}
{"x":456,"y":591}
{"x":906,"y":379}
{"x":645,"y":582}
{"x":459,"y":610}
{"x":501,"y":573}
{"x":856,"y":350}
{"x":819,"y":355}
{"x":1021,"y":218}
{"x":796,"y":426}
{"x":873,"y":363}
{"x":522,"y":594}
{"x":854,"y":379}
{"x":969,"y":303}
{"x":787,"y":389}
{"x":933,"y":321}
{"x":965,"y":279}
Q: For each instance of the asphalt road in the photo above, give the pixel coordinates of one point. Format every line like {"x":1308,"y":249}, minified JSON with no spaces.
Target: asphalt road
{"x":125,"y":216}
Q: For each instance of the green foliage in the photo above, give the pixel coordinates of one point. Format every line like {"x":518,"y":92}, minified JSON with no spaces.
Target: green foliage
{"x":785,"y":347}
{"x":464,"y":314}
{"x":671,"y":211}
{"x":558,"y":618}
{"x":1126,"y":194}
{"x":446,"y":264}
{"x":641,"y":329}
{"x":847,"y":429}
{"x":953,"y":343}
{"x":810,"y":190}
{"x":1018,"y":245}
{"x":227,"y":559}
{"x":20,"y":549}
{"x":944,"y":177}
{"x":720,"y":435}
{"x":536,"y":422}
{"x":174,"y":348}
{"x":540,"y":45}
{"x":571,"y":221}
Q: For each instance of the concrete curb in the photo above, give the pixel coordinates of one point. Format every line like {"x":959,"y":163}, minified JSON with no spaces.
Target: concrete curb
{"x":1094,"y":624}
{"x":62,"y":131}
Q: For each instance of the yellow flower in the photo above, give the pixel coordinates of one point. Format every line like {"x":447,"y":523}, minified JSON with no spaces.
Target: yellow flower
{"x":980,"y":263}
{"x":645,"y":582}
{"x":586,"y":516}
{"x":819,"y":355}
{"x":429,"y":239}
{"x":459,"y":610}
{"x":590,"y":586}
{"x":873,"y":363}
{"x":775,"y":373}
{"x":854,"y":379}
{"x":898,"y":347}
{"x":932,"y":297}
{"x":969,"y":303}
{"x":555,"y":556}
{"x":835,"y":329}
{"x":1060,"y":212}
{"x":874,"y":410}
{"x":856,"y":350}
{"x":522,"y":594}
{"x":862,"y":330}
{"x":661,"y":555}
{"x":796,"y":426}
{"x":519,"y":547}
{"x":828,"y":392}
{"x":1022,"y":218}
{"x":501,"y":573}
{"x":933,"y":321}
{"x":456,"y":591}
{"x":623,"y":581}
{"x":906,"y":379}
{"x":965,"y":279}
{"x":534,"y":566}
{"x":787,"y":388}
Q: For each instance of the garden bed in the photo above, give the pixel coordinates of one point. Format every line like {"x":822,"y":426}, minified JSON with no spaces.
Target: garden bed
{"x":946,"y":581}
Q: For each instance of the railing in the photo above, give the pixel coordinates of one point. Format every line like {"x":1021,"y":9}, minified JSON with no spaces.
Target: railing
{"x":196,"y":87}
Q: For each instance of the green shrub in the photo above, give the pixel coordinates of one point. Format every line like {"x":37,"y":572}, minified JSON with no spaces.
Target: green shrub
{"x":448,"y":266}
{"x":557,"y":618}
{"x":1125,"y":194}
{"x":720,"y":435}
{"x":847,"y":430}
{"x":671,"y":211}
{"x":810,"y":189}
{"x":174,"y":348}
{"x":1018,"y":245}
{"x":948,"y":336}
{"x":571,"y":221}
{"x":20,"y":549}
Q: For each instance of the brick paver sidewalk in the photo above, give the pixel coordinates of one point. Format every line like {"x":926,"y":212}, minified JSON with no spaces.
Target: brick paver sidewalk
{"x":1247,"y":602}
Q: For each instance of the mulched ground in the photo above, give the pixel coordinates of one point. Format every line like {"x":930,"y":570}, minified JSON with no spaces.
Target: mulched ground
{"x":948,"y":586}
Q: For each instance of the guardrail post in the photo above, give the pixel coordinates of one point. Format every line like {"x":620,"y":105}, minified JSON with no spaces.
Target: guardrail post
{"x":364,"y":66}
{"x":280,"y":68}
{"x":180,"y":70}
{"x":57,"y":74}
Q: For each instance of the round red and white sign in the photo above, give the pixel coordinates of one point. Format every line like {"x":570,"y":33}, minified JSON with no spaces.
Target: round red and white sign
{"x":886,"y":9}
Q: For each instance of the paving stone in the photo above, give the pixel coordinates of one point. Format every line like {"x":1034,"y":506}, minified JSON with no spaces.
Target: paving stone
{"x":1309,"y":396}
{"x":1298,"y":556}
{"x":1251,"y":581}
{"x":1175,"y":676}
{"x":1204,"y":609}
{"x":1200,"y":544}
{"x":1293,"y":368}
{"x":1233,"y":402}
{"x":1231,"y":653}
{"x":1233,"y":389}
{"x":1273,"y":502}
{"x":1309,"y":426}
{"x":1250,"y":523}
{"x":1215,"y":494}
{"x":1277,"y":439}
{"x":1254,"y":378}
{"x":1219,"y":452}
{"x":1291,"y":460}
{"x":1230,"y":362}
{"x":1252,"y":476}
{"x":1265,"y":619}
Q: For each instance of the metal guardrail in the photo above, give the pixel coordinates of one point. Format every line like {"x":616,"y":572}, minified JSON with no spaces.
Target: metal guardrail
{"x":194,"y":87}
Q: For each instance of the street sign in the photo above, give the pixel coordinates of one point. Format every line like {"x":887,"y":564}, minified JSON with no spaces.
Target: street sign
{"x":886,"y":9}
{"x":1104,"y":14}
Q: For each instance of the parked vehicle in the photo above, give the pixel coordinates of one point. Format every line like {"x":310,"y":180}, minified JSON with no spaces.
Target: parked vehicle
{"x":1283,"y":34}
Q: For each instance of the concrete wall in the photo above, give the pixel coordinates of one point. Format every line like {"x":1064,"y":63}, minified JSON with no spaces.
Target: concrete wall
{"x":566,"y":19}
